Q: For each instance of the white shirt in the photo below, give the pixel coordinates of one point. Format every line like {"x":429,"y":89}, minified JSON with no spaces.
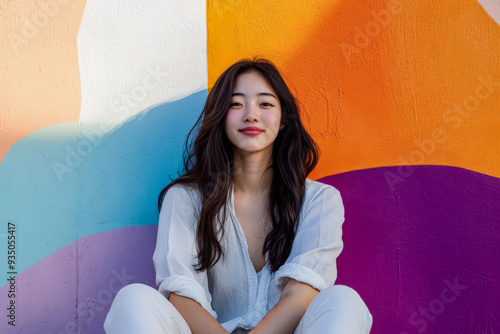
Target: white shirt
{"x":232,"y":291}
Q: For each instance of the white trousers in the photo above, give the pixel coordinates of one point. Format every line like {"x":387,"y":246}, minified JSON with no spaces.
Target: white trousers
{"x":139,"y":308}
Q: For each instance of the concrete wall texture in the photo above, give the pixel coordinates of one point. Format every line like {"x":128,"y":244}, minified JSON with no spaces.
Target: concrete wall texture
{"x":402,"y":96}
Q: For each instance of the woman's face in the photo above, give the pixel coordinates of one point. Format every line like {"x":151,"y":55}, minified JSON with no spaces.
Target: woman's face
{"x":254,"y":104}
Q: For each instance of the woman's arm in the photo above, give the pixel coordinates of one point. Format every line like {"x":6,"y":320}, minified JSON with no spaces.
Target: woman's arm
{"x":197,"y":318}
{"x":174,"y":263}
{"x":284,"y":317}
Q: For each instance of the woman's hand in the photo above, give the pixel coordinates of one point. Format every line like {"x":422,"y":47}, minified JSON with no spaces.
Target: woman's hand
{"x":284,"y":317}
{"x":197,"y":318}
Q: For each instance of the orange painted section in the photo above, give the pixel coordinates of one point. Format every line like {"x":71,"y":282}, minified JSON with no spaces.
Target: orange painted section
{"x":413,"y":91}
{"x":38,"y":46}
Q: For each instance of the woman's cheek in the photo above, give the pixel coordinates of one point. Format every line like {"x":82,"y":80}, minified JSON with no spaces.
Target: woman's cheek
{"x":230,"y":119}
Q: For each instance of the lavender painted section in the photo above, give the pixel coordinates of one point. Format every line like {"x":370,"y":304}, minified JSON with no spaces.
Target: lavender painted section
{"x":403,"y":249}
{"x":74,"y":287}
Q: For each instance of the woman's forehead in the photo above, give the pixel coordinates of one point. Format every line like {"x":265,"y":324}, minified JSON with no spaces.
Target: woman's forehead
{"x":253,"y":83}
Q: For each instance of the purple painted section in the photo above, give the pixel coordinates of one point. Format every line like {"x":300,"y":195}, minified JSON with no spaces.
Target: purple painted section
{"x":424,"y":257}
{"x":404,"y":249}
{"x":49,"y":291}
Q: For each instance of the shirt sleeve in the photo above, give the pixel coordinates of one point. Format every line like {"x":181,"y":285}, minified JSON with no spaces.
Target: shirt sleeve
{"x":317,"y":244}
{"x":175,"y":253}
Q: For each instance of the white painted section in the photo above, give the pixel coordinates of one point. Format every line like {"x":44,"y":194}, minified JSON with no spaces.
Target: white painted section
{"x":135,"y":54}
{"x":493,"y":8}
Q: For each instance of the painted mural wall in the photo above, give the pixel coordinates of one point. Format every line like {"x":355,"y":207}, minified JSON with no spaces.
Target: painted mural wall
{"x":403,"y":98}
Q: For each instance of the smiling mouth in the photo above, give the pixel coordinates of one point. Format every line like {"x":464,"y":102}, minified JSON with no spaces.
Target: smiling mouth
{"x":251,"y":132}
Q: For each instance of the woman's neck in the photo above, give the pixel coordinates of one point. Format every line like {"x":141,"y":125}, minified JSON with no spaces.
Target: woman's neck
{"x":251,"y":172}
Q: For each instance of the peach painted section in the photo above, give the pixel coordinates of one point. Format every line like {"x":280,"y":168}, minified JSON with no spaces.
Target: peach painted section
{"x":37,"y":46}
{"x":411,"y":91}
{"x":493,"y":8}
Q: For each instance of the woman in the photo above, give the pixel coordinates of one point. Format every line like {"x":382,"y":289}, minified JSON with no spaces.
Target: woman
{"x":246,"y":242}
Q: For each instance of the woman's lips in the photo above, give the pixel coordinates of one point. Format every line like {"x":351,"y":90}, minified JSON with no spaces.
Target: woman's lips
{"x":251,"y":132}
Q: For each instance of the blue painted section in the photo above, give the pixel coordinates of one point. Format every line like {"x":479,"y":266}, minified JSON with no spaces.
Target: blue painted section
{"x":103,"y":184}
{"x":43,"y":209}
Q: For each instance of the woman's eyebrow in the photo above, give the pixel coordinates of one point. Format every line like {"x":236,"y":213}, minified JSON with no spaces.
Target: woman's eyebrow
{"x":259,"y":94}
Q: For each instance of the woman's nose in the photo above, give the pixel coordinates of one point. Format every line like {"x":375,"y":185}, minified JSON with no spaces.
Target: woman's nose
{"x":251,"y":112}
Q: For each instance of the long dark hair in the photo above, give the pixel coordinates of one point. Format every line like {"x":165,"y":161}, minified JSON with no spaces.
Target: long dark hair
{"x":208,"y":167}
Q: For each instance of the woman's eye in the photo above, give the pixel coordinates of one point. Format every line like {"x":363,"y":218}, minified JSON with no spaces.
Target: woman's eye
{"x":267,"y":104}
{"x":235,"y":104}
